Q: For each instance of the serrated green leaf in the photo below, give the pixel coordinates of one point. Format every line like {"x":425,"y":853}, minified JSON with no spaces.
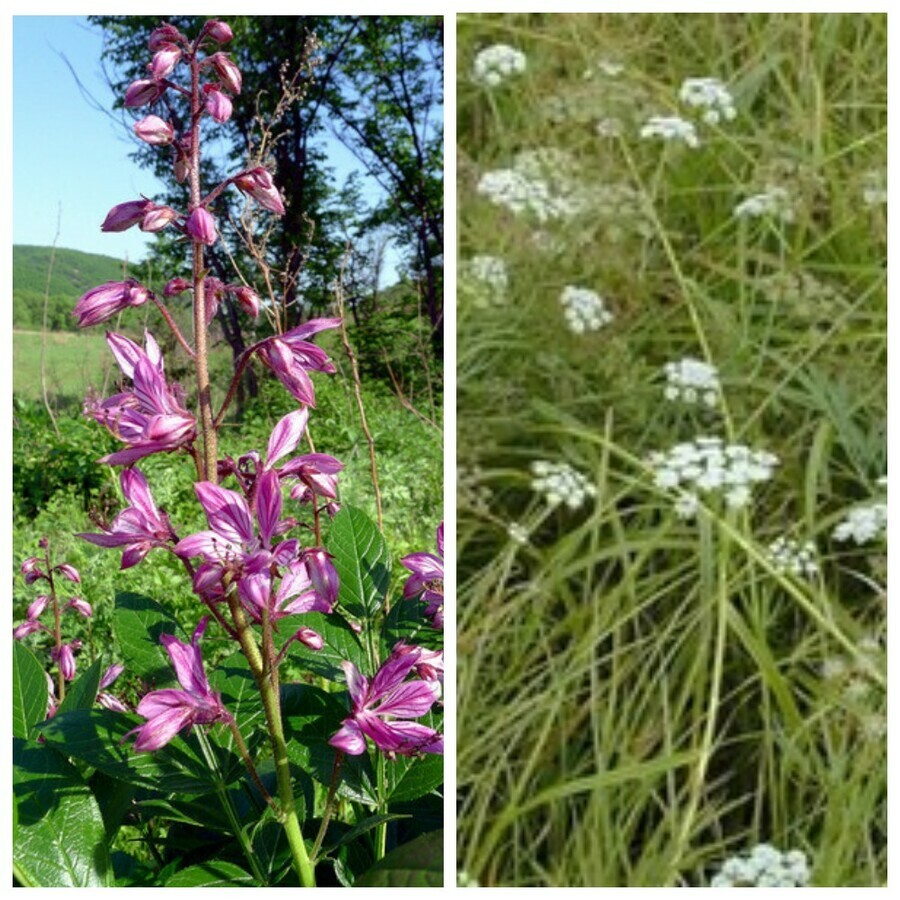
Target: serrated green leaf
{"x":418,"y":863}
{"x":405,"y":623}
{"x":215,"y":873}
{"x":59,"y":840}
{"x":82,"y":693}
{"x":30,"y":694}
{"x":362,"y":560}
{"x":340,"y":642}
{"x":233,"y":679}
{"x":410,"y":779}
{"x":138,"y":623}
{"x":95,"y":737}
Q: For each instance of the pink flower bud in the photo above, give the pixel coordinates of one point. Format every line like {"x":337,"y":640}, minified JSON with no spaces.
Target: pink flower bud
{"x":105,"y":301}
{"x":311,"y":638}
{"x":143,"y":91}
{"x":247,"y":297}
{"x":108,"y":701}
{"x":38,"y":605}
{"x":218,"y":31}
{"x":258,"y":184}
{"x":124,"y":215}
{"x":68,"y":572}
{"x":218,"y":103}
{"x":31,"y":570}
{"x":158,"y":217}
{"x":81,"y":606}
{"x":111,"y":674}
{"x":164,"y":61}
{"x":26,"y":628}
{"x":322,"y":573}
{"x":154,"y":130}
{"x":201,"y":226}
{"x":65,"y":657}
{"x":176,"y":286}
{"x":228,"y":73}
{"x":165,"y":34}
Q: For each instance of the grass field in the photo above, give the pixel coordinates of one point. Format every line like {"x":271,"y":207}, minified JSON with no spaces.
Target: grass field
{"x":672,"y":408}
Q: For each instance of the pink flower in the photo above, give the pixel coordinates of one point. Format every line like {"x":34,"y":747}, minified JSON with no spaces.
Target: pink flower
{"x":139,"y":527}
{"x":105,"y":699}
{"x":247,"y":297}
{"x":142,"y":92}
{"x":150,"y":417}
{"x":81,"y":606}
{"x":29,"y":626}
{"x":218,"y":31}
{"x":165,"y":34}
{"x":427,"y":579}
{"x":103,"y":302}
{"x":164,"y":61}
{"x":69,"y":572}
{"x":154,"y":130}
{"x":32,"y":570}
{"x":176,"y":286}
{"x":258,"y":184}
{"x":64,"y":656}
{"x":228,"y":73}
{"x":317,"y":473}
{"x":218,"y":103}
{"x":201,"y":226}
{"x":124,"y":215}
{"x":170,"y":710}
{"x":290,"y":355}
{"x":158,"y":217}
{"x":378,"y":708}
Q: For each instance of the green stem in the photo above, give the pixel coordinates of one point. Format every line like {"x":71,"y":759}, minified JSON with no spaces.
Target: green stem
{"x":381,"y":828}
{"x":228,"y":805}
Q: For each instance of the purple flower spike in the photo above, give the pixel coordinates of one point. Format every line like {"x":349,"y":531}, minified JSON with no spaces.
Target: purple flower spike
{"x":138,"y":528}
{"x":201,"y":226}
{"x":379,"y":706}
{"x":105,"y":301}
{"x":170,"y":710}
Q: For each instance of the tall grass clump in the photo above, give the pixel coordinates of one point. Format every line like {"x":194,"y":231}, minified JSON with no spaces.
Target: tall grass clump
{"x":672,"y":395}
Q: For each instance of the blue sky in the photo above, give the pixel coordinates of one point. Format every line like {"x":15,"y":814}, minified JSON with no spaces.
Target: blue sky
{"x":70,"y":159}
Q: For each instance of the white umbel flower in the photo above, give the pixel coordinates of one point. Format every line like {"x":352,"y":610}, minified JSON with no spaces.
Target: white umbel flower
{"x":692,"y":381}
{"x":863,"y":524}
{"x":774,"y":202}
{"x":560,"y":484}
{"x":671,"y":128}
{"x":584,"y":309}
{"x":764,"y":866}
{"x":496,"y":63}
{"x":710,"y":97}
{"x":790,"y":556}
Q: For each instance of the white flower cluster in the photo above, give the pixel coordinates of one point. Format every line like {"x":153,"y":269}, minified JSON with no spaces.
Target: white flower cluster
{"x":709,"y":95}
{"x":863,"y":524}
{"x":708,"y":465}
{"x":605,"y":67}
{"x":671,"y":128}
{"x":465,"y":880}
{"x":692,"y":380}
{"x":539,"y":182}
{"x":517,"y":533}
{"x":775,"y":202}
{"x":488,"y":277}
{"x":560,"y":483}
{"x":789,"y":555}
{"x":495,"y":63}
{"x":584,"y":309}
{"x":874,"y":189}
{"x":764,"y":866}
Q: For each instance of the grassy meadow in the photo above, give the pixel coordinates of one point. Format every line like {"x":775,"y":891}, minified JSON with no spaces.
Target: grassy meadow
{"x":672,"y":407}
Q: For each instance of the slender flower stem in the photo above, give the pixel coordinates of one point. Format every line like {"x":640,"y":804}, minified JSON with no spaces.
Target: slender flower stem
{"x":243,"y":359}
{"x":173,"y":326}
{"x":245,"y":756}
{"x":329,"y":803}
{"x":201,"y":358}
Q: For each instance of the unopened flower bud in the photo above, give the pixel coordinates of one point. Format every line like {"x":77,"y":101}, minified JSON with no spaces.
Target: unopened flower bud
{"x":69,"y":572}
{"x":259,"y":185}
{"x":322,"y":574}
{"x":124,"y":215}
{"x":37,"y":606}
{"x":143,"y":91}
{"x":31,"y":570}
{"x":26,"y":628}
{"x":111,"y":674}
{"x":228,"y":73}
{"x":157,"y":218}
{"x":201,"y":226}
{"x":218,"y":31}
{"x":218,"y":103}
{"x":310,"y":638}
{"x":80,"y":606}
{"x":165,"y":34}
{"x":154,"y":130}
{"x":105,"y":301}
{"x":111,"y":702}
{"x":248,"y":298}
{"x":164,"y":61}
{"x":175,"y":286}
{"x":65,"y":657}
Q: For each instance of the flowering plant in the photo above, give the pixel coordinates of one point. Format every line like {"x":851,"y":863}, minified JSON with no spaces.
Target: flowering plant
{"x":268,"y":739}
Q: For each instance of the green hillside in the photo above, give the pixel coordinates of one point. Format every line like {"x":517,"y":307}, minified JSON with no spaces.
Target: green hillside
{"x":74,"y":273}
